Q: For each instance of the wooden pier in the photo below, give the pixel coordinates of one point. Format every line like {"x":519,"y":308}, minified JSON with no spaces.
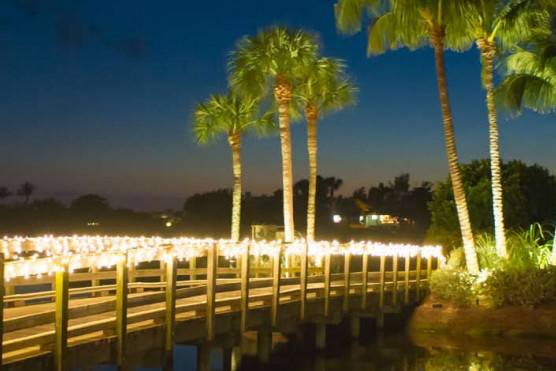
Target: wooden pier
{"x":80,"y":317}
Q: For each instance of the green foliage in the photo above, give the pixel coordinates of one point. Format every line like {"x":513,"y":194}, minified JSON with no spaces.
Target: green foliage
{"x":228,"y":115}
{"x":529,"y":189}
{"x":456,"y":259}
{"x":406,"y":23}
{"x":530,"y":248}
{"x":273,"y":53}
{"x":485,"y":244}
{"x":523,"y":278}
{"x":521,"y":285}
{"x":454,"y":286}
{"x":530,"y":76}
{"x":326,"y":86}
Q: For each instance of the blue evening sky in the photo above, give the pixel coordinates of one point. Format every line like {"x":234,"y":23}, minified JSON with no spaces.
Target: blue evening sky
{"x":96,"y":96}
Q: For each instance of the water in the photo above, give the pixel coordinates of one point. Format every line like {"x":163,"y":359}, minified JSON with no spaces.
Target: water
{"x":400,"y":352}
{"x":392,"y":352}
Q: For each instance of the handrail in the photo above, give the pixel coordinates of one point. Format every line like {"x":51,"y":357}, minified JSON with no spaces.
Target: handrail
{"x":163,"y":293}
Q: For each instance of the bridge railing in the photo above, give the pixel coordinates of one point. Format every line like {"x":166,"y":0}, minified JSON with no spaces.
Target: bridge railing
{"x":79,"y":289}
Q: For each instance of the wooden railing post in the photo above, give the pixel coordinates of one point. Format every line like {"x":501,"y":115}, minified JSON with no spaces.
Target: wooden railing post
{"x":276,"y":273}
{"x":193,"y":268}
{"x":212,"y":264}
{"x":61,"y":318}
{"x":382,"y":281}
{"x":95,"y":283}
{"x":327,"y":277}
{"x":418,"y":277}
{"x":395,"y":279}
{"x":171,"y":279}
{"x":122,"y":280}
{"x":2,"y":293}
{"x":406,"y":286}
{"x":429,"y":269}
{"x":303,"y":282}
{"x":365,"y":281}
{"x":162,"y":268}
{"x":347,"y":283}
{"x":244,"y":288}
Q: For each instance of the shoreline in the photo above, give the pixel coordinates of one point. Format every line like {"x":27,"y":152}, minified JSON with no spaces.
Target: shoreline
{"x":434,"y":317}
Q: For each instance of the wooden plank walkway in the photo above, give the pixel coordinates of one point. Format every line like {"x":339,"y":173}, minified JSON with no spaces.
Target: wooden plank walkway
{"x":47,"y":322}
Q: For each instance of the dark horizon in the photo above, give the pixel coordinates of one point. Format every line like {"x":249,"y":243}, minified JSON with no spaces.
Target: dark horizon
{"x":97,"y":99}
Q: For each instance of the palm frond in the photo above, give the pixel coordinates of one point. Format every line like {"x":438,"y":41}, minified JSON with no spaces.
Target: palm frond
{"x":350,"y":13}
{"x":326,"y":86}
{"x":276,"y":51}
{"x":226,"y":114}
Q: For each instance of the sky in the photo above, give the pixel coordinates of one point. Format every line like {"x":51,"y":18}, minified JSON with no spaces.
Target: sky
{"x":96,"y":96}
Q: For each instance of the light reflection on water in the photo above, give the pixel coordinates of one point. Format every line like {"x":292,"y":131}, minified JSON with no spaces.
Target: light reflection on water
{"x":396,"y":352}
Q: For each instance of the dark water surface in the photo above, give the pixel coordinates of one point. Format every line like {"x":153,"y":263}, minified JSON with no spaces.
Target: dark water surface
{"x":397,"y":351}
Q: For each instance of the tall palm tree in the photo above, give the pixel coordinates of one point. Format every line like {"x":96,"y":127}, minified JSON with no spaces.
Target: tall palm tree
{"x":274,"y":62}
{"x":324,"y":89}
{"x":530,"y":76}
{"x":497,"y":24}
{"x":414,"y":23}
{"x":233,"y":116}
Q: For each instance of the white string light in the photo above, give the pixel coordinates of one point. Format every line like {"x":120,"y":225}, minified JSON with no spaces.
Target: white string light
{"x":36,"y":256}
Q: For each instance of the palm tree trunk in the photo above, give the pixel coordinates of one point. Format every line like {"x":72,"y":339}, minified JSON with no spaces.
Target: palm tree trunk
{"x":437,"y":37}
{"x":311,"y":115}
{"x":235,"y":144}
{"x":488,"y":51}
{"x":282,"y":94}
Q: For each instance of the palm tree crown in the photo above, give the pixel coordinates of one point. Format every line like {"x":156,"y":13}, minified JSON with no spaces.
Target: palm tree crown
{"x":326,"y":87}
{"x":274,"y":55}
{"x":530,"y":79}
{"x":406,"y":23}
{"x":228,"y":115}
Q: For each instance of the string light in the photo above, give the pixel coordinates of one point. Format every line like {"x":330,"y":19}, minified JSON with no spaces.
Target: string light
{"x":36,"y":256}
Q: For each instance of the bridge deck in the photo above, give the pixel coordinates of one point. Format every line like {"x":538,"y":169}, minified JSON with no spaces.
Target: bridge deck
{"x":44,"y":320}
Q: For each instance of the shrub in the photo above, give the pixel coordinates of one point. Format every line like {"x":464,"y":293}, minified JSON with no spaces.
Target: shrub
{"x":530,"y":248}
{"x":454,"y":286}
{"x":486,"y":252}
{"x":521,"y":285}
{"x":456,"y":259}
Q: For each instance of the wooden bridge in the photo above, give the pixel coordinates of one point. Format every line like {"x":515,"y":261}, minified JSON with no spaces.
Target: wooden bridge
{"x":80,"y":301}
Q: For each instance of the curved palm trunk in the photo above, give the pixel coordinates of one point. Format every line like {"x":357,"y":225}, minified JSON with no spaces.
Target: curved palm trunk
{"x":488,"y":50}
{"x":311,"y":115}
{"x":235,"y":144}
{"x":437,"y":37}
{"x":282,"y":94}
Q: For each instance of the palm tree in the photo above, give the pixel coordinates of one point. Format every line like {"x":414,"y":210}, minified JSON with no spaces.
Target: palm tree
{"x":233,"y":116}
{"x":325,"y":88}
{"x":414,"y":23}
{"x":497,"y":24}
{"x":26,"y":190}
{"x":274,"y":61}
{"x":530,"y":79}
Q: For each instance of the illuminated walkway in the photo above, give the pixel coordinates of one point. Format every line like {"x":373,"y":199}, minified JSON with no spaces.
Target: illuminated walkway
{"x":97,"y":300}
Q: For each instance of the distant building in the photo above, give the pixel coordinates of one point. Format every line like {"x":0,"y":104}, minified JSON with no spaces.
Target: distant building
{"x":374,"y":220}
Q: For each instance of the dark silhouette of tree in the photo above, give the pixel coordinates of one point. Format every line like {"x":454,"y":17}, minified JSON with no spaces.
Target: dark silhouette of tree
{"x":4,"y":193}
{"x":333,"y":184}
{"x":25,"y":191}
{"x":398,"y":198}
{"x":90,"y":203}
{"x":529,"y":189}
